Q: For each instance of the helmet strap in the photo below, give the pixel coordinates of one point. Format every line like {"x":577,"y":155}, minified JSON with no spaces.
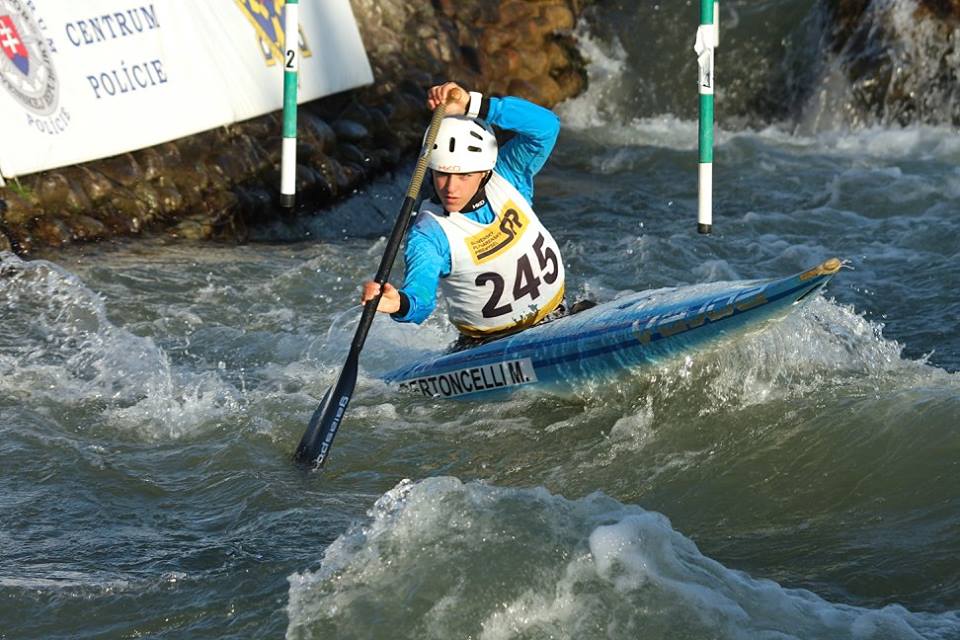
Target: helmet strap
{"x":478,"y":200}
{"x":480,"y":197}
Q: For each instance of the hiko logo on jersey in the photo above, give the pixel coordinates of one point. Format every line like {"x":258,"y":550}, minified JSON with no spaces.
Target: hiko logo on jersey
{"x":497,"y":238}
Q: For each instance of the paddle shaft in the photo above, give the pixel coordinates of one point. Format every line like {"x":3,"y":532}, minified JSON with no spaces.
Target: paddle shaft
{"x":317,"y":439}
{"x":400,"y":226}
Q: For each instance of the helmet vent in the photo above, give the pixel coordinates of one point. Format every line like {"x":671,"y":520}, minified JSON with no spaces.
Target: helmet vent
{"x":462,"y":145}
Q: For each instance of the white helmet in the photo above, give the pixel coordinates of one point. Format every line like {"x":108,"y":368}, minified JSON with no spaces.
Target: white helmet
{"x":464,"y":145}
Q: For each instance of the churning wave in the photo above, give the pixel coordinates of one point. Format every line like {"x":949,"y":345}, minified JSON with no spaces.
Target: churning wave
{"x":58,"y":346}
{"x":441,"y":558}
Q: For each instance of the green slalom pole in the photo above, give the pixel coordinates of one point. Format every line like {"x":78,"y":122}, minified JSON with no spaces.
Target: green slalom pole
{"x":291,"y":69}
{"x":708,"y":37}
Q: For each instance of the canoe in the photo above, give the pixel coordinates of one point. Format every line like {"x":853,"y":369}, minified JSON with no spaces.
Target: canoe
{"x":606,"y":340}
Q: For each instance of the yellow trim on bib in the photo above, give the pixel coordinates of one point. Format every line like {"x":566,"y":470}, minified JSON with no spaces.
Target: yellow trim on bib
{"x":525,"y":323}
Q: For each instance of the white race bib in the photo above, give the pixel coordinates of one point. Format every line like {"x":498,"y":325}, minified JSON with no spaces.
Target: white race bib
{"x":505,"y":275}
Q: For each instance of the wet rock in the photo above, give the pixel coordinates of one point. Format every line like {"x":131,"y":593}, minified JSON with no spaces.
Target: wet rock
{"x":388,"y":137}
{"x":52,"y":190}
{"x":357,"y":112}
{"x":323,"y":134}
{"x":5,"y":244}
{"x":506,"y":61}
{"x":557,"y":18}
{"x":61,"y":192}
{"x":306,"y":178}
{"x":439,"y":49}
{"x":494,"y":39}
{"x":77,"y":201}
{"x":131,"y":208}
{"x":149,"y":198}
{"x":192,"y":180}
{"x":307,"y":152}
{"x":947,"y":10}
{"x":219,"y":205}
{"x":899,"y":60}
{"x":350,"y":131}
{"x":342,"y":178}
{"x":250,"y":153}
{"x":408,"y":107}
{"x":352,"y":177}
{"x":96,"y":185}
{"x":324,"y":188}
{"x":195,"y":147}
{"x":22,"y":240}
{"x":391,"y":155}
{"x":51,"y":231}
{"x":273,"y":151}
{"x":534,"y":64}
{"x":193,"y":228}
{"x":571,"y":82}
{"x":217,"y":178}
{"x":531,"y":32}
{"x":262,"y":128}
{"x":169,"y":154}
{"x":542,"y":90}
{"x":86,"y":228}
{"x":254,"y":204}
{"x":118,"y":224}
{"x":557,"y":56}
{"x":231,"y":166}
{"x":123,"y":170}
{"x":21,"y":208}
{"x":151,"y":163}
{"x":503,"y":46}
{"x":514,"y":10}
{"x":328,"y":168}
{"x":352,"y":153}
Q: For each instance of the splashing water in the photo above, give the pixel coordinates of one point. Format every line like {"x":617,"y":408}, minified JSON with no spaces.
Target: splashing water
{"x":58,"y":343}
{"x":577,"y":569}
{"x":797,"y":482}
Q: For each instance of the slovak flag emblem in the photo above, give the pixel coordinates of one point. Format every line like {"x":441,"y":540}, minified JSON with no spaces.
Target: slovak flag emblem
{"x":12,"y":45}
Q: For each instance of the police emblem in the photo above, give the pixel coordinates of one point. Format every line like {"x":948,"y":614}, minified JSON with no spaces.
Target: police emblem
{"x":266,"y":17}
{"x":26,"y":66}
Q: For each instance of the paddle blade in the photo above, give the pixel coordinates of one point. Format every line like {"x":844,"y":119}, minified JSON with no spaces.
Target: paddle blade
{"x":315,"y":444}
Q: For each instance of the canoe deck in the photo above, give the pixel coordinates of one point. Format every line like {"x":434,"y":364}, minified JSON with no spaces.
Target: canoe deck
{"x":626,"y":333}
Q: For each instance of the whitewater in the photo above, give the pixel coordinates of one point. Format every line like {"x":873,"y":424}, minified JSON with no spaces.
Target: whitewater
{"x":801,"y":482}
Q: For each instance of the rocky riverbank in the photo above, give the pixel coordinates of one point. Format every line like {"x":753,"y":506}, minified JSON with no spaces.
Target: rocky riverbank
{"x":217,"y":183}
{"x":863,"y":63}
{"x":899,"y":61}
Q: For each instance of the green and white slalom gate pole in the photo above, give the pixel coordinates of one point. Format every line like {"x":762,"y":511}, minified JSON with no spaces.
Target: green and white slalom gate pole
{"x":291,"y":68}
{"x":708,"y":37}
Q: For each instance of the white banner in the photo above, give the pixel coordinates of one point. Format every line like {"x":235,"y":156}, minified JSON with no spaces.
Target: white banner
{"x":91,"y":79}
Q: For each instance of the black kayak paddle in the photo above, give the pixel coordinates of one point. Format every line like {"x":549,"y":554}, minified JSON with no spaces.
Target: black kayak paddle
{"x":314,"y":447}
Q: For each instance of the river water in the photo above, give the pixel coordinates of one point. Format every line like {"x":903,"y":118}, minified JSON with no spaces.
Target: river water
{"x":803,"y":482}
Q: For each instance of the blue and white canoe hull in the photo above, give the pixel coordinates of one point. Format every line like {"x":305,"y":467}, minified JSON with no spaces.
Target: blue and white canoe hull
{"x":604,"y":341}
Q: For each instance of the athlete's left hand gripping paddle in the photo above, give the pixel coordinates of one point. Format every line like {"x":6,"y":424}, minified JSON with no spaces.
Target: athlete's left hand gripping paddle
{"x":315,"y":444}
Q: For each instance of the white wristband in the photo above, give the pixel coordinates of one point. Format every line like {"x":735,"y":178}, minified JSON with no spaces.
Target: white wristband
{"x":473,"y":110}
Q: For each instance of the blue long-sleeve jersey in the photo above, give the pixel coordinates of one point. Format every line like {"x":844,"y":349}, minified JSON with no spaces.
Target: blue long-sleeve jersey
{"x":427,"y":254}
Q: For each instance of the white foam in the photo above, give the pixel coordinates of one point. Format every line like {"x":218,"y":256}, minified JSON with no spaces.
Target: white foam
{"x":59,"y":344}
{"x":606,"y":64}
{"x":475,"y":560}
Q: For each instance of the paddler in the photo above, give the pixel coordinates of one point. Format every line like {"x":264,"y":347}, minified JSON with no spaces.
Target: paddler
{"x":478,"y":239}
